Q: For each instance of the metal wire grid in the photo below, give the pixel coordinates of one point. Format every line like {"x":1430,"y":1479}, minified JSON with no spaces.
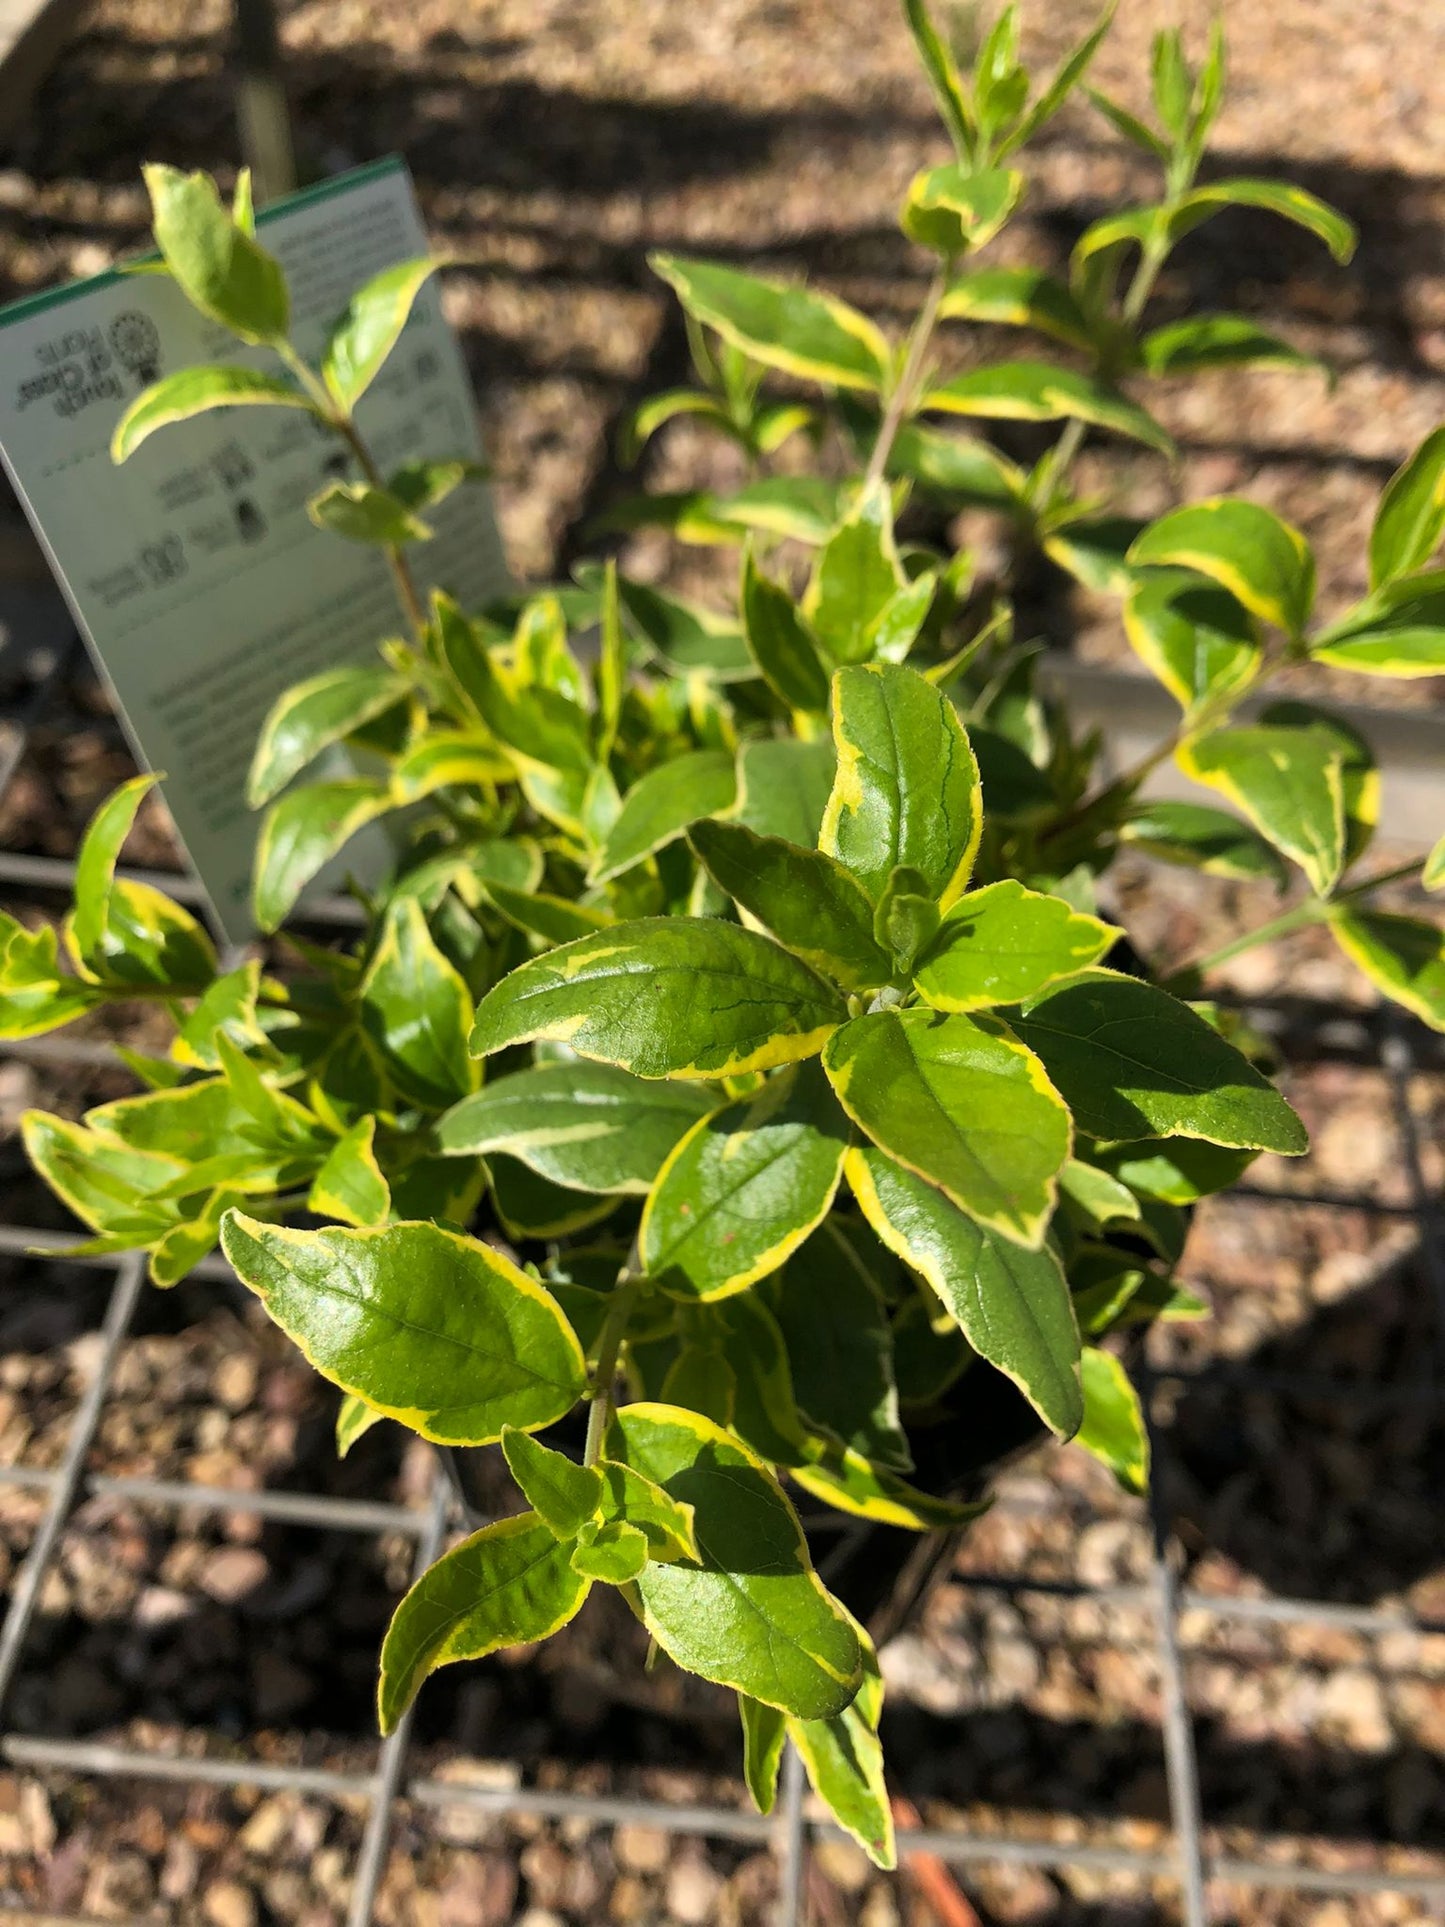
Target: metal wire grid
{"x":792,"y":1827}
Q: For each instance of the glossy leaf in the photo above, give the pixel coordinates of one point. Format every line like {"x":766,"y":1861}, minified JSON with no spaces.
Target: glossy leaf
{"x":1288,"y":782}
{"x":1012,"y":1305}
{"x":955,"y":209}
{"x":351,"y":1185}
{"x":1397,"y":631}
{"x":612,"y":1552}
{"x":538,"y":725}
{"x":685,"y":636}
{"x":856,"y":576}
{"x":1410,"y":520}
{"x":961,"y":1103}
{"x":1203,"y":839}
{"x":1403,"y":956}
{"x":1113,"y":1428}
{"x":1433,"y":875}
{"x":798,"y":330}
{"x":1217,"y":341}
{"x":1003,"y":943}
{"x":311,"y":716}
{"x":1193,"y":635}
{"x":449,"y":758}
{"x":301,"y":833}
{"x":1359,"y":776}
{"x":1261,"y":561}
{"x":659,"y":807}
{"x":354,"y":1418}
{"x":1131,"y":1061}
{"x":1037,"y":391}
{"x":959,"y":468}
{"x":125,"y":932}
{"x":665,"y":997}
{"x":416,"y":1010}
{"x":1176,"y":1170}
{"x":809,"y":902}
{"x":1017,"y":298}
{"x":35,"y":994}
{"x":563,"y":1494}
{"x":753,"y":1615}
{"x":1294,"y":204}
{"x":765,"y":1730}
{"x":361,"y":340}
{"x":429,"y":1327}
{"x":850,"y":1484}
{"x":943,"y":75}
{"x":779,"y":642}
{"x":217,"y":263}
{"x":667,"y":1524}
{"x":196,"y":391}
{"x":907,"y":788}
{"x":783,"y":787}
{"x":745,"y":1188}
{"x":590,"y":1126}
{"x":844,"y":1764}
{"x":507,"y":1585}
{"x":366,"y":514}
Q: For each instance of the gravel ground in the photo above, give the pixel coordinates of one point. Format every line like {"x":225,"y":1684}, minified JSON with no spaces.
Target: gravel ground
{"x":553,"y":144}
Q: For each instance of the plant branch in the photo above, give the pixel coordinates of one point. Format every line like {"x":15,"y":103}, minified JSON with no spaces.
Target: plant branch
{"x":339,"y":420}
{"x":609,"y":1346}
{"x":901,"y":400}
{"x":1312,"y":910}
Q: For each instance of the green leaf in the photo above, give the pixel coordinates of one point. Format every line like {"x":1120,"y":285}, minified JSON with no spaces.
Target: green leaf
{"x":779,"y":643}
{"x":844,"y":1763}
{"x":907,"y":788}
{"x":960,"y":468}
{"x":365,"y":335}
{"x":783,"y":787}
{"x":659,"y":807}
{"x":1018,"y":298}
{"x":1288,"y":782}
{"x":563,"y":1494}
{"x":35,"y":995}
{"x":1113,"y":1428}
{"x":850,"y":1484}
{"x":102,"y":1180}
{"x":1093,"y":549}
{"x":122,"y":932}
{"x":1397,"y":631}
{"x":416,"y":1010}
{"x":962,"y":1103}
{"x":687,"y":638}
{"x":1218,"y":341}
{"x":1012,"y":1305}
{"x":1129,"y":125}
{"x":311,"y":716}
{"x":1036,"y":391}
{"x":507,"y":1585}
{"x":1403,"y":956}
{"x":1263,"y":562}
{"x":420,"y":485}
{"x":665,"y":997}
{"x":589,"y":1126}
{"x":856,"y":576}
{"x":666,"y":1523}
{"x":1176,"y":1170}
{"x":219,"y":267}
{"x":764,"y":1731}
{"x":351,"y":1185}
{"x":1191,"y":634}
{"x":753,"y":1615}
{"x":744,"y":1189}
{"x":1096,"y":1197}
{"x":427,"y":1326}
{"x":1275,"y":197}
{"x":301,"y":832}
{"x":353,"y":1418}
{"x":954,"y":209}
{"x":796,"y":329}
{"x":195,"y":391}
{"x":943,"y":76}
{"x":539,"y":725}
{"x":1202,"y":839}
{"x":1132,"y":1061}
{"x":530,"y":1206}
{"x":906,"y":920}
{"x":1359,"y":777}
{"x":363,"y":513}
{"x":1003,"y":943}
{"x":840,"y":1348}
{"x":448,"y":758}
{"x":1410,"y":520}
{"x":809,"y":902}
{"x":612,"y":1552}
{"x":1172,"y":84}
{"x":1433,"y":875}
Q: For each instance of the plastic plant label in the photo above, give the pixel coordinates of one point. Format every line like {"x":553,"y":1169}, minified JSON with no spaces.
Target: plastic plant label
{"x":193,"y":572}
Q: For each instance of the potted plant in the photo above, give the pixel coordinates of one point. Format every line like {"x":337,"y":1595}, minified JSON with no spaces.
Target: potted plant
{"x":735,"y":1088}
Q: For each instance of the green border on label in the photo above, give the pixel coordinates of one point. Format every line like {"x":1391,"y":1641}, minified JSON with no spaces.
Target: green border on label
{"x":30,"y":304}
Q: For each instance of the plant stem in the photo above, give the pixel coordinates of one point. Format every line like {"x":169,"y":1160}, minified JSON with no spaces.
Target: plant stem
{"x":614,"y":1329}
{"x":339,"y":420}
{"x":1313,"y":910}
{"x":901,"y":400}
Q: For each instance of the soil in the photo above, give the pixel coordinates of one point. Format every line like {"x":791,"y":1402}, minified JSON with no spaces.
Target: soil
{"x":553,"y":144}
